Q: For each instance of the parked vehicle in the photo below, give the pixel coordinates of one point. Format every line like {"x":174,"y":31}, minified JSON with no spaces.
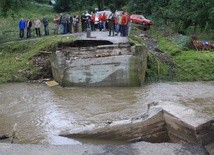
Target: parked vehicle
{"x":140,"y":19}
{"x":101,"y":12}
{"x":117,"y":12}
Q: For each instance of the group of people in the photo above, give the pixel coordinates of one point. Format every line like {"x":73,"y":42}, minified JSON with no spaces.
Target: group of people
{"x":116,"y":24}
{"x":63,"y":22}
{"x":27,"y":24}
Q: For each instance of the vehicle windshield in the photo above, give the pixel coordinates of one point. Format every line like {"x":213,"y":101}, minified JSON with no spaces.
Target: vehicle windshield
{"x":101,"y":12}
{"x":140,"y":16}
{"x":118,"y":12}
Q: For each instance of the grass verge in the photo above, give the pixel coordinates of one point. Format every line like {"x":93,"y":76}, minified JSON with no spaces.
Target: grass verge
{"x":16,"y":65}
{"x":192,"y":65}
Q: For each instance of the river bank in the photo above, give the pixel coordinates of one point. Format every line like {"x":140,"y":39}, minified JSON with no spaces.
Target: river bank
{"x":29,"y":60}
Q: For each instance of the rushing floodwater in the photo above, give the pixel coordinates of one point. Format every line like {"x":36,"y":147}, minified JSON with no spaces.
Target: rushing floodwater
{"x":42,"y":112}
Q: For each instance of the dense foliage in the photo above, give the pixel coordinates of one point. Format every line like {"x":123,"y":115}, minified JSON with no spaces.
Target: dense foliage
{"x":11,"y":6}
{"x":66,"y":5}
{"x":182,"y":14}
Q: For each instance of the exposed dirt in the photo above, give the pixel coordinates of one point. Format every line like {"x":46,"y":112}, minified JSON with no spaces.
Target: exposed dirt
{"x":160,"y":55}
{"x":42,"y":62}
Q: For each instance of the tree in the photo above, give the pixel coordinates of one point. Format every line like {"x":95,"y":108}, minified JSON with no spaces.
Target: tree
{"x":63,"y":5}
{"x":11,"y":6}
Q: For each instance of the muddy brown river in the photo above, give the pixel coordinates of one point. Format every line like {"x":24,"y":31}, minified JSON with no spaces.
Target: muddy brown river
{"x":43,"y":112}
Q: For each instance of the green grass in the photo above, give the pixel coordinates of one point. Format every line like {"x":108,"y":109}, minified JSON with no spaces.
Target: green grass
{"x":192,"y":65}
{"x":156,"y":70}
{"x":16,"y":57}
{"x":195,"y":66}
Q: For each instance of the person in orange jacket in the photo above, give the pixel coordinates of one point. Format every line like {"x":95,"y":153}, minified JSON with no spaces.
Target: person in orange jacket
{"x":104,"y":20}
{"x":127,"y":24}
{"x":100,"y":25}
{"x":124,"y":24}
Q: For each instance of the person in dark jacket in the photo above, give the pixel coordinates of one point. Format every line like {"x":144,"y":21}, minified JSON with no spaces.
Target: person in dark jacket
{"x":45,"y":23}
{"x":69,"y":23}
{"x":64,"y":23}
{"x":111,"y":24}
{"x":83,"y":22}
{"x":60,"y":23}
{"x":22,"y":26}
{"x":29,"y":25}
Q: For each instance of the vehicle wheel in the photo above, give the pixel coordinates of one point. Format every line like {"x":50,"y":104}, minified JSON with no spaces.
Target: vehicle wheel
{"x":145,"y":27}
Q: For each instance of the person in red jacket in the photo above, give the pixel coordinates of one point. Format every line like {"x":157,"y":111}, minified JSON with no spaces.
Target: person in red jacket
{"x":104,"y":19}
{"x":127,"y":24}
{"x":92,"y":21}
{"x":100,"y":25}
{"x":124,"y":24}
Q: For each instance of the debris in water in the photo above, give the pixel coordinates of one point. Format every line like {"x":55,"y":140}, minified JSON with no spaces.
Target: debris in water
{"x":151,"y":105}
{"x":5,"y":136}
{"x":51,"y":83}
{"x":13,"y":133}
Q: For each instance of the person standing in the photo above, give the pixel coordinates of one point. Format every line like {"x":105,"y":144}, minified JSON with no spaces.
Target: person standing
{"x":71,"y":20}
{"x":69,"y":23}
{"x":116,"y":25}
{"x":119,"y":24}
{"x":124,"y":24}
{"x":92,"y":22}
{"x":37,"y":24}
{"x":64,"y":23}
{"x":29,"y":25}
{"x":83,"y":22}
{"x":88,"y":21}
{"x":100,"y":24}
{"x":60,"y":23}
{"x":75,"y":24}
{"x":56,"y":24}
{"x":127,"y":23}
{"x":22,"y":25}
{"x":104,"y":19}
{"x":111,"y":24}
{"x":45,"y":23}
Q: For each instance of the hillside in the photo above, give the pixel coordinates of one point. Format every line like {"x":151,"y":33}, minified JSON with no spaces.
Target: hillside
{"x":9,"y":25}
{"x":170,"y":57}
